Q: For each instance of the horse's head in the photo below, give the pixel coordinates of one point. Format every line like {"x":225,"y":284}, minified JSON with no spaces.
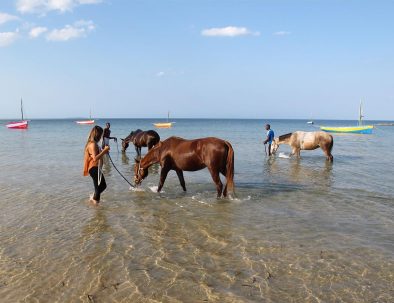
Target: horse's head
{"x":139,"y":172}
{"x":274,"y":146}
{"x":125,"y":145}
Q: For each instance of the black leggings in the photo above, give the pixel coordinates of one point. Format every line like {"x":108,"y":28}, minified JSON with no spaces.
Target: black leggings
{"x":98,"y":189}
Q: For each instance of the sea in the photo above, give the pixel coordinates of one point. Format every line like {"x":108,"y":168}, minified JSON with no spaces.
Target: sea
{"x":296,"y":230}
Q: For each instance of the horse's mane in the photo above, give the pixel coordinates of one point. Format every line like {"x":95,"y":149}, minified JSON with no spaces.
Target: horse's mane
{"x":284,"y":137}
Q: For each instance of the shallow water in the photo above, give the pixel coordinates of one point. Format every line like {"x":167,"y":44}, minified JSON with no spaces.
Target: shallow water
{"x":297,"y":230}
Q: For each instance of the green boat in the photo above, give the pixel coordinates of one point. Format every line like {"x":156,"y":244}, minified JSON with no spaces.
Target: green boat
{"x":360,"y":129}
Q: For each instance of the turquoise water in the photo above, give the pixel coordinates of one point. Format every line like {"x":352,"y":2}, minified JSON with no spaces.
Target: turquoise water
{"x":299,"y":230}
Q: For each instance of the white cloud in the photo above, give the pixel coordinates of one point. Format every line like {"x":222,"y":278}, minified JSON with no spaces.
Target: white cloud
{"x":229,"y":31}
{"x":281,"y":33}
{"x":7,"y":38}
{"x":78,"y":30}
{"x":44,"y":6}
{"x":160,"y":74}
{"x":37,"y":31}
{"x":4,"y":18}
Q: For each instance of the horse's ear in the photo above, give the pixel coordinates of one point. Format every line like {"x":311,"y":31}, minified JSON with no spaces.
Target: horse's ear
{"x":137,"y":160}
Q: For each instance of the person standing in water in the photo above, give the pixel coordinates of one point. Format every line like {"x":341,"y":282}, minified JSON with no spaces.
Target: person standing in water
{"x":107,"y":135}
{"x":270,"y":138}
{"x":91,"y":162}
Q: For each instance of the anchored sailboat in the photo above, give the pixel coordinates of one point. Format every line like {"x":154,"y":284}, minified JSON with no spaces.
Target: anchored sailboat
{"x":360,"y":129}
{"x":23,"y":124}
{"x":84,"y":122}
{"x":164,"y":124}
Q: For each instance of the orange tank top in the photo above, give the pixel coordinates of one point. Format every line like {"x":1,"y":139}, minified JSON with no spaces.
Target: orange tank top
{"x":88,"y":162}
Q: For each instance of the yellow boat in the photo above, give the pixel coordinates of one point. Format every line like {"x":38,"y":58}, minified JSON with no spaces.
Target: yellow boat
{"x":360,"y":129}
{"x":364,"y":129}
{"x":164,"y":124}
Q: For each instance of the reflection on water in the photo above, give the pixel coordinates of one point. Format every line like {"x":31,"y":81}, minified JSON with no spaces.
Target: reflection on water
{"x":299,"y":230}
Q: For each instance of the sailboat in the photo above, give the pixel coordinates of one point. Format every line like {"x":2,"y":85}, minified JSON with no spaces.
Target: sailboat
{"x":360,"y":129}
{"x":164,"y":124}
{"x":23,"y":124}
{"x":85,"y":122}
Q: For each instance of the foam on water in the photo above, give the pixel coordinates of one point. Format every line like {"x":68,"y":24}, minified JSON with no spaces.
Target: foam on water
{"x":283,"y":155}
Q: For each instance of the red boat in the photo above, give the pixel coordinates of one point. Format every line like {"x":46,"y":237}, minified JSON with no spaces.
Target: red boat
{"x":85,"y":122}
{"x":18,"y":125}
{"x":23,"y":124}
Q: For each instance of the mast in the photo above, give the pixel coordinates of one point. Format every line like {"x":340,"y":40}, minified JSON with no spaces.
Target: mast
{"x":22,"y":108}
{"x":168,"y":116}
{"x":360,"y":114}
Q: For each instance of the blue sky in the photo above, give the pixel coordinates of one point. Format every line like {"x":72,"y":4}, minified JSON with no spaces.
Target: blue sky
{"x":227,"y":59}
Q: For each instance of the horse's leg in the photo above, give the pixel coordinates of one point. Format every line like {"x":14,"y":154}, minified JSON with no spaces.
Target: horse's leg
{"x":163,"y":175}
{"x":328,"y":154}
{"x":293,"y":151}
{"x":136,"y":150}
{"x":179,"y":172}
{"x":216,"y":178}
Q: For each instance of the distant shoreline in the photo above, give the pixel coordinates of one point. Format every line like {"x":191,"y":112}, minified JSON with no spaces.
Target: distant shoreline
{"x":161,"y":119}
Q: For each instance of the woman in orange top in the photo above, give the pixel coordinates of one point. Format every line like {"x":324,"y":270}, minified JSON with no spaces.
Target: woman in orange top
{"x":91,"y":161}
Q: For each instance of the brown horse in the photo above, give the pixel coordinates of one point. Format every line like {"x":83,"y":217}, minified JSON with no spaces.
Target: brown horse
{"x":141,"y":139}
{"x":181,"y":155}
{"x":305,"y":141}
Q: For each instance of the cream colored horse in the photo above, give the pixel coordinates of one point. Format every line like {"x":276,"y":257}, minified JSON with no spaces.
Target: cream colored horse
{"x":305,"y":141}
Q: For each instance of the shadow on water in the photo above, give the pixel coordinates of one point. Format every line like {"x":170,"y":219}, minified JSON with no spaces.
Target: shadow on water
{"x":298,"y":172}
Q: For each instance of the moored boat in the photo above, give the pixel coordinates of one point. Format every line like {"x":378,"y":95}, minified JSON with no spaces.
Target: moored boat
{"x":360,"y":129}
{"x":164,"y":124}
{"x":23,"y":124}
{"x":365,"y":129}
{"x":18,"y":124}
{"x":85,"y":122}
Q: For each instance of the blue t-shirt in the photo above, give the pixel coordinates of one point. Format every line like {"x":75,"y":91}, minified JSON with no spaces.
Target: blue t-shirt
{"x":270,"y":135}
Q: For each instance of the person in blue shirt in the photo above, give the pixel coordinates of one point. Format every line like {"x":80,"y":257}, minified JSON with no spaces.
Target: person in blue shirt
{"x":270,"y":137}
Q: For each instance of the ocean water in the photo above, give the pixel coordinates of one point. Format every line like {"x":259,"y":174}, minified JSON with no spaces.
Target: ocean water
{"x":298,"y":230}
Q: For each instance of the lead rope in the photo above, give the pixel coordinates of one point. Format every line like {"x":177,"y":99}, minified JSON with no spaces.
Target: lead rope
{"x":119,"y":171}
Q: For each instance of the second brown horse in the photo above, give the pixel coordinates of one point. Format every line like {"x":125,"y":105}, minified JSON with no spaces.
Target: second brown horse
{"x":181,"y":155}
{"x":141,"y":139}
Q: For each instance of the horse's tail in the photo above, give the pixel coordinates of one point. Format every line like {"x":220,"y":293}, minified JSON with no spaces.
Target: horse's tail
{"x":229,"y":170}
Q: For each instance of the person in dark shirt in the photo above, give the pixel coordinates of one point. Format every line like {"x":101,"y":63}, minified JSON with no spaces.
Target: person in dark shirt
{"x":270,"y":138}
{"x":107,"y":135}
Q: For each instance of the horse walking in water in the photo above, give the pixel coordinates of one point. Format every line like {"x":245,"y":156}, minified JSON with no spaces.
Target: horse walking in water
{"x":181,"y":155}
{"x":305,"y":141}
{"x":141,"y":139}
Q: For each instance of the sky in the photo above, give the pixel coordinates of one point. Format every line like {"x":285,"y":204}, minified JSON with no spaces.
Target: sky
{"x":301,"y":59}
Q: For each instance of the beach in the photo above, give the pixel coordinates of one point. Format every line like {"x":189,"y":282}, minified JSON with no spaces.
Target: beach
{"x":297,"y":230}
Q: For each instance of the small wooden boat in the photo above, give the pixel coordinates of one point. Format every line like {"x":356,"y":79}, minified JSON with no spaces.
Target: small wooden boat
{"x":164,"y":124}
{"x":23,"y":124}
{"x":360,"y":129}
{"x":365,"y":129}
{"x":18,"y":125}
{"x":86,"y":122}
